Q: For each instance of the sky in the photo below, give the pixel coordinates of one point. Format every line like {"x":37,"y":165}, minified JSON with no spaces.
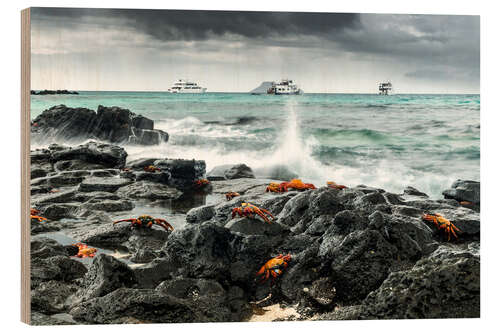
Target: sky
{"x":224,"y":51}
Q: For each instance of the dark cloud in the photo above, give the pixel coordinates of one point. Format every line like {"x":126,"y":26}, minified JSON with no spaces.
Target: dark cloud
{"x":168,"y":25}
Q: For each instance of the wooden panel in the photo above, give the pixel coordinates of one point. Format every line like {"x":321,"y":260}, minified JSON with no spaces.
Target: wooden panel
{"x":25,"y":164}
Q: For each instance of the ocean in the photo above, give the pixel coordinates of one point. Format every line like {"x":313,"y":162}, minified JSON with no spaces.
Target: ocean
{"x":424,"y":141}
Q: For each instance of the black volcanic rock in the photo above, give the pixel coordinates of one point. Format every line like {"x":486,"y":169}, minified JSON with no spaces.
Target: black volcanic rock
{"x":464,"y":190}
{"x":112,"y":124}
{"x":53,"y":92}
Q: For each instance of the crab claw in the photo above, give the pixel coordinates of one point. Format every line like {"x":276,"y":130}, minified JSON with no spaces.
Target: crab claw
{"x":167,"y":226}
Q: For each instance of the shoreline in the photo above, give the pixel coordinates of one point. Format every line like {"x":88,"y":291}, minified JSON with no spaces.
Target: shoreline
{"x":82,"y":200}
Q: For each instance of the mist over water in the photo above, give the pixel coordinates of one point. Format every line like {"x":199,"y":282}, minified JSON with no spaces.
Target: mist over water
{"x":425,"y":141}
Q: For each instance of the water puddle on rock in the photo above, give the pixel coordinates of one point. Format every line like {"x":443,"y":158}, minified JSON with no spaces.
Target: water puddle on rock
{"x":64,"y":239}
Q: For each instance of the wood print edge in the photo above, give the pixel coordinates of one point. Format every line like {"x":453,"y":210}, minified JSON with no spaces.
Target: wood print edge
{"x":25,"y":165}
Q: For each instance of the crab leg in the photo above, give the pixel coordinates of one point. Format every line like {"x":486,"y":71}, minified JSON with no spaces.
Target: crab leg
{"x":267,"y":212}
{"x":261,"y":214}
{"x":164,"y":224}
{"x":133,"y":221}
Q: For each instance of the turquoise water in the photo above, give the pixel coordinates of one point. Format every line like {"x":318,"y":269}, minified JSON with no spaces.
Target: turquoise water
{"x":426,"y":141}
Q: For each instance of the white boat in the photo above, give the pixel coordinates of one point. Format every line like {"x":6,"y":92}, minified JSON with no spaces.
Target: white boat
{"x":385,"y":88}
{"x":284,"y":87}
{"x":186,"y":87}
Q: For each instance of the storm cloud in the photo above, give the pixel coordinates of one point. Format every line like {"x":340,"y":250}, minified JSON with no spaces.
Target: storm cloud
{"x":235,"y":50}
{"x":168,"y":25}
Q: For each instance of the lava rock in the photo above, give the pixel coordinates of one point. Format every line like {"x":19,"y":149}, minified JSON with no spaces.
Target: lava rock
{"x":218,"y":172}
{"x":105,"y":155}
{"x":111,"y":124}
{"x":105,"y":275}
{"x":200,"y":214}
{"x":183,"y":172}
{"x":239,"y":171}
{"x":208,"y":298}
{"x":360,"y":264}
{"x":464,"y":190}
{"x":51,"y":297}
{"x":92,"y":184}
{"x":147,"y":190}
{"x":60,"y":268}
{"x":445,"y":285}
{"x":144,"y":305}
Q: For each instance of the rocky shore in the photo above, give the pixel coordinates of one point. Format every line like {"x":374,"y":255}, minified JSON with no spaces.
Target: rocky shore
{"x":356,"y":253}
{"x":109,"y":124}
{"x":53,"y":92}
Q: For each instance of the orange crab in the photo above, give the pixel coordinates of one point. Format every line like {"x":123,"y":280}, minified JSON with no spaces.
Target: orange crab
{"x":274,"y":267}
{"x":34,"y":215}
{"x":84,"y":251}
{"x":200,"y":183}
{"x":442,"y":223}
{"x":147,"y":221}
{"x":231,"y":195}
{"x":296,"y":184}
{"x":277,"y":187}
{"x":151,"y":168}
{"x":299,"y":185}
{"x":250,"y":210}
{"x":332,"y":184}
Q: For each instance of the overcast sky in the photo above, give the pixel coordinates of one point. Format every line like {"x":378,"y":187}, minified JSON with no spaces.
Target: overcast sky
{"x":103,"y":49}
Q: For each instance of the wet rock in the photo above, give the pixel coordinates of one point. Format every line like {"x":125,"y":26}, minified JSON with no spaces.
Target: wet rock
{"x":241,"y":185}
{"x":183,"y":172}
{"x":200,"y":214}
{"x":60,"y":268}
{"x":63,"y":196}
{"x":204,"y":250}
{"x":60,"y":211}
{"x":445,"y":285}
{"x":68,"y":165}
{"x":408,"y":190}
{"x":58,"y":180}
{"x":109,"y":205}
{"x":92,"y":184}
{"x":144,"y":305}
{"x":464,"y":190}
{"x":140,"y":163}
{"x":105,"y":155}
{"x":147,"y":190}
{"x":43,"y":247}
{"x":254,"y":226}
{"x":467,"y":220}
{"x":217,"y":173}
{"x":105,"y":275}
{"x":111,"y":124}
{"x":107,"y":235}
{"x":42,"y":227}
{"x":239,"y":171}
{"x":155,"y":177}
{"x":37,"y":173}
{"x":51,"y":297}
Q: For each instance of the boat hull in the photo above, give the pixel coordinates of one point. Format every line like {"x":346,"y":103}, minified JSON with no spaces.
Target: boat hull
{"x":194,"y":91}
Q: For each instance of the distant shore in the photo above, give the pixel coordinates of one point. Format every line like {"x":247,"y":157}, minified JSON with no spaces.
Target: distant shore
{"x":53,"y":92}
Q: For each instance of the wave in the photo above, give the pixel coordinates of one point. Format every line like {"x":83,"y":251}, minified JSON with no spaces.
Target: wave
{"x":349,"y":134}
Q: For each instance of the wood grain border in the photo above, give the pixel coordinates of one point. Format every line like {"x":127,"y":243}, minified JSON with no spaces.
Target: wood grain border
{"x":25,"y":164}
